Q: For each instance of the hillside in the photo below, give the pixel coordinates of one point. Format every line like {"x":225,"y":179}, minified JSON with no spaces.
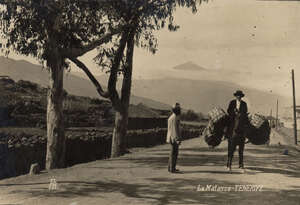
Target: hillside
{"x":24,"y":104}
{"x":203,"y":95}
{"x":23,"y":70}
{"x":199,"y":95}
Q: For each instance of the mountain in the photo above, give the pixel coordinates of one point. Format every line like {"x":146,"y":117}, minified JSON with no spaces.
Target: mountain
{"x":190,"y":66}
{"x":23,"y":70}
{"x":203,"y":95}
{"x":199,"y":95}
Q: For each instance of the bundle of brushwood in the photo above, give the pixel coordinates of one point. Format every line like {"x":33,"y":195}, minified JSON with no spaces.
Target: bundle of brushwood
{"x":258,"y":131}
{"x":215,"y":130}
{"x":216,"y":114}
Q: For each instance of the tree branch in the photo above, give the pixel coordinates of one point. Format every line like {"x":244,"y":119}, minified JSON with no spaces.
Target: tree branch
{"x":127,"y":80}
{"x":112,"y":82}
{"x":112,"y":92}
{"x":82,"y":66}
{"x":76,"y":52}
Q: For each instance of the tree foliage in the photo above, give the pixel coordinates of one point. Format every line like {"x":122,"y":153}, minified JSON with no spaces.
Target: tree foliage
{"x":143,"y":18}
{"x":191,"y":115}
{"x":73,"y":27}
{"x":29,"y":25}
{"x":55,"y":30}
{"x":147,"y":16}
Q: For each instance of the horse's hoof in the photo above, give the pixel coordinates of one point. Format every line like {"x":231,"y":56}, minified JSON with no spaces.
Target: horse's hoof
{"x":229,"y":169}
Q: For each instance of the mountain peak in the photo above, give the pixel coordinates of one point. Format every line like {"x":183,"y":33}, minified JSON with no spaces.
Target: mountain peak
{"x":190,"y":65}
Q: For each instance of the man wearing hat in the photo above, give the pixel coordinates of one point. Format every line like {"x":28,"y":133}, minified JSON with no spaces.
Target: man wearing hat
{"x":174,"y":137}
{"x":238,"y":116}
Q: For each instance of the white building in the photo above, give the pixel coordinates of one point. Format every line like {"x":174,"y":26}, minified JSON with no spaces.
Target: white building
{"x":288,"y":117}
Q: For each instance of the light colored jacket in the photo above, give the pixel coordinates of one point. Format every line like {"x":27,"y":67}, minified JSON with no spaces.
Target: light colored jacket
{"x":174,"y":130}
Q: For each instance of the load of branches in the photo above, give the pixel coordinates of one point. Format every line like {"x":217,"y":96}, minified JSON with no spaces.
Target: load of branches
{"x":257,"y":129}
{"x":216,"y":128}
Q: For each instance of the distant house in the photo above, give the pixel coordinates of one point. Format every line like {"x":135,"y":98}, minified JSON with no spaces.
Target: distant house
{"x":288,"y":112}
{"x":272,"y":121}
{"x":298,"y":109}
{"x":4,"y":77}
{"x":287,"y":116}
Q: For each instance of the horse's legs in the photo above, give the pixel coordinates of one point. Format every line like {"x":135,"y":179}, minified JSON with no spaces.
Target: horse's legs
{"x":231,"y":150}
{"x":241,"y":154}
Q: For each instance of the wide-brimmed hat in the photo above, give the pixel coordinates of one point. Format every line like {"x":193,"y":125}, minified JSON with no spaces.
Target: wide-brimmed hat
{"x":239,"y":93}
{"x":176,"y":106}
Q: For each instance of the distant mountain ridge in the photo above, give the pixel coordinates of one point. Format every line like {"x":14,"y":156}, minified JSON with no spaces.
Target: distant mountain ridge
{"x":23,"y":70}
{"x":203,"y":95}
{"x":199,"y":95}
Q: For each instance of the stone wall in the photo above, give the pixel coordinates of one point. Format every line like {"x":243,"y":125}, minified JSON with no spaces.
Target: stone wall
{"x":147,"y":123}
{"x":17,"y":153}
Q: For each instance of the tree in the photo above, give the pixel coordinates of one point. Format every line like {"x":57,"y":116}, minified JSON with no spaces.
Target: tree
{"x":143,"y":17}
{"x":190,"y":115}
{"x":53,"y":31}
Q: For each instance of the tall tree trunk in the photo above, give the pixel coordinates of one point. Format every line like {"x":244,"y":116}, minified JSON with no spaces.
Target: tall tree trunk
{"x":119,"y":133}
{"x":119,"y":142}
{"x":56,"y":142}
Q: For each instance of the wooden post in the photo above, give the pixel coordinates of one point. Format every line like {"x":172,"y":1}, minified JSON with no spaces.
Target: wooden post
{"x":294,"y":107}
{"x":276,"y":115}
{"x":271,"y":119}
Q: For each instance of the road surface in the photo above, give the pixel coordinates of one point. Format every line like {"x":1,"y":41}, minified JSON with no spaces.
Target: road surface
{"x":141,"y":177}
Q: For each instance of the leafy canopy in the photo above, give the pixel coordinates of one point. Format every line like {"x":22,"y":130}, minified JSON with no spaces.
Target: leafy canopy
{"x":35,"y":27}
{"x":147,"y":17}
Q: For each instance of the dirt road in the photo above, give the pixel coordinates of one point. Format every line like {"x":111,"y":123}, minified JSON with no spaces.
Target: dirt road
{"x":142,"y":178}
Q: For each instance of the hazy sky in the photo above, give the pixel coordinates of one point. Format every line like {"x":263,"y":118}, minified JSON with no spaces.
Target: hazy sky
{"x":252,"y":43}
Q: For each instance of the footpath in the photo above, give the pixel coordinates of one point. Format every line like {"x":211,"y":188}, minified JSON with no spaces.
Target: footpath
{"x":141,"y":177}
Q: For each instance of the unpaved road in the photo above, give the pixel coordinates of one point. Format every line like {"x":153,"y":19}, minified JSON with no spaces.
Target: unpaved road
{"x":142,"y":178}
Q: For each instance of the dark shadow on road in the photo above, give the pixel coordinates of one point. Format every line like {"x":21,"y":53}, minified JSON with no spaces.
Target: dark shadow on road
{"x":267,"y":160}
{"x":162,"y":191}
{"x":176,"y":189}
{"x":211,"y":171}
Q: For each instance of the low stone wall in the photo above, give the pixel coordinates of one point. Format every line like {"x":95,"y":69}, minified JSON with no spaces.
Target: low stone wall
{"x":17,"y":153}
{"x":147,"y":123}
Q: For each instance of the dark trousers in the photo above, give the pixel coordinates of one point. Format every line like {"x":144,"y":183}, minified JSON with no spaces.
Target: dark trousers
{"x":173,"y":157}
{"x":233,"y":142}
{"x":236,"y":137}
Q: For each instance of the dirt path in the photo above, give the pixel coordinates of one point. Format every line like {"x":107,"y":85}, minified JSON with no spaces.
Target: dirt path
{"x":142,"y":178}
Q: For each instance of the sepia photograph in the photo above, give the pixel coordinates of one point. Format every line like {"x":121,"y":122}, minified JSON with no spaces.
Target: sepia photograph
{"x":149,"y":102}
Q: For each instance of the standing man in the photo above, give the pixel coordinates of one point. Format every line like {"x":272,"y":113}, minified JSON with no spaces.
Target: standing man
{"x":174,"y":137}
{"x":238,"y":115}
